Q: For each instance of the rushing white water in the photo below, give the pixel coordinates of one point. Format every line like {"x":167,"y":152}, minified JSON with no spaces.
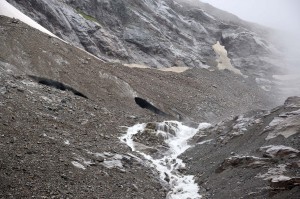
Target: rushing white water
{"x":176,"y":138}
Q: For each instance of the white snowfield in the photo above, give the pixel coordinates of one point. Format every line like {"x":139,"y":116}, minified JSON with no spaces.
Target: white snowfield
{"x":8,"y":10}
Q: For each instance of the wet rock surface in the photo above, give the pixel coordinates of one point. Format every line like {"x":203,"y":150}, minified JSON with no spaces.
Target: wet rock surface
{"x":161,"y":33}
{"x":58,"y":144}
{"x":242,"y":156}
{"x":152,"y":138}
{"x":174,"y":135}
{"x":195,"y":95}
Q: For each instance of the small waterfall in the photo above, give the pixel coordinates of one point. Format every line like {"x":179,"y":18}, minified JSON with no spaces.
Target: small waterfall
{"x":161,"y":144}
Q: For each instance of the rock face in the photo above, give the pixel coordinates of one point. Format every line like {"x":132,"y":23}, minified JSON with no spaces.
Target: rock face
{"x":161,"y":33}
{"x":63,"y":110}
{"x":195,"y":95}
{"x":249,"y":156}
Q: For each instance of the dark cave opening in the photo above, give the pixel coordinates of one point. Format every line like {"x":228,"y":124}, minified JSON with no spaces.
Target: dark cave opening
{"x":57,"y":85}
{"x":145,"y":104}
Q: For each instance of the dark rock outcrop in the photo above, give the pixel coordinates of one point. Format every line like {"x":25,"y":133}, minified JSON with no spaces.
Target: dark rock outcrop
{"x":161,"y":33}
{"x":57,"y":85}
{"x":194,"y":95}
{"x":58,"y":145}
{"x":242,"y":156}
{"x":52,"y":141}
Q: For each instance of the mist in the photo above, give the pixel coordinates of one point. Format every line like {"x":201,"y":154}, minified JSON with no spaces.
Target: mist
{"x":283,"y":17}
{"x":277,"y":14}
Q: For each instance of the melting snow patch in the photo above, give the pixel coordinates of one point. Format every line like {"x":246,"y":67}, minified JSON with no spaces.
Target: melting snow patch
{"x":241,"y":124}
{"x":10,"y":11}
{"x":279,"y":150}
{"x":266,"y":88}
{"x":275,"y":175}
{"x":45,"y":135}
{"x":29,"y":83}
{"x":114,"y":162}
{"x":205,"y":141}
{"x":280,"y":178}
{"x":286,"y":125}
{"x":223,"y":60}
{"x":273,"y":172}
{"x":46,"y":99}
{"x":176,"y":69}
{"x":78,"y":165}
{"x":176,"y":139}
{"x":111,"y":160}
{"x":276,"y":121}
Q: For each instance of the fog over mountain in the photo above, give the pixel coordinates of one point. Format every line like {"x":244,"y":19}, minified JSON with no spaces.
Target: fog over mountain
{"x":283,"y":16}
{"x":278,"y":14}
{"x":149,"y":99}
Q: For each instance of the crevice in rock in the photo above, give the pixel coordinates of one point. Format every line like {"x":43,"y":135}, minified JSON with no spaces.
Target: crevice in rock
{"x":147,"y":105}
{"x":57,"y":85}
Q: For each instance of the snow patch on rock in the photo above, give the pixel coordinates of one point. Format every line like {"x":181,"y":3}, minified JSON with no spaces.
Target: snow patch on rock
{"x":78,"y":165}
{"x":10,"y":11}
{"x":286,"y":124}
{"x":223,"y":60}
{"x":273,"y":173}
{"x":279,"y":150}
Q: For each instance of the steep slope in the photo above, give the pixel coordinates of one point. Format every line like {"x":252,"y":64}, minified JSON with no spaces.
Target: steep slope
{"x":62,"y":111}
{"x":197,"y":94}
{"x":8,"y":10}
{"x":255,"y":155}
{"x":227,"y":17}
{"x":159,"y":33}
{"x":143,"y":32}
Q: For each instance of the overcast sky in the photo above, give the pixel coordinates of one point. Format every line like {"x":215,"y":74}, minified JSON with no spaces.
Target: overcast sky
{"x":280,"y":14}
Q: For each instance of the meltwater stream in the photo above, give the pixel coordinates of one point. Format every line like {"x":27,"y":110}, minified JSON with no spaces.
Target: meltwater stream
{"x":161,"y":144}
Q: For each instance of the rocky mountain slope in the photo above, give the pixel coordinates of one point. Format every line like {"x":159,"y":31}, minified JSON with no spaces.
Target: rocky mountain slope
{"x":195,"y":95}
{"x":156,"y":33}
{"x":61,"y":108}
{"x":64,"y":111}
{"x":254,"y":155}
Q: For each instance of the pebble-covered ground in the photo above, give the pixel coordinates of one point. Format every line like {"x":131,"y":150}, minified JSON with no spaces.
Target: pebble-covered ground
{"x":62,"y":112}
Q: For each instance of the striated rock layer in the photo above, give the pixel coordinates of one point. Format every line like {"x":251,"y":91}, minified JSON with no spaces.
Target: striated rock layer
{"x":255,"y":155}
{"x":63,"y":110}
{"x":156,"y":33}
